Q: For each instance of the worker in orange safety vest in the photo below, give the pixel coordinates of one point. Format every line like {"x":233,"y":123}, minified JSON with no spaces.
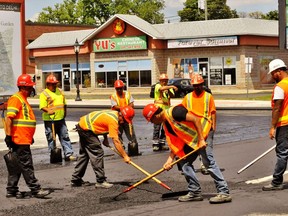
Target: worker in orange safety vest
{"x":121,"y":98}
{"x":20,"y":128}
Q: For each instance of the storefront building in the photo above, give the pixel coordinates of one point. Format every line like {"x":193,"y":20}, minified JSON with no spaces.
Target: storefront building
{"x":227,"y":53}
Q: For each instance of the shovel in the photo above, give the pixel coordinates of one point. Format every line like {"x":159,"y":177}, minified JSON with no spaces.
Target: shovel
{"x":56,"y":153}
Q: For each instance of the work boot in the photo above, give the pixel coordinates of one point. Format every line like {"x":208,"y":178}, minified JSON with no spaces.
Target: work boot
{"x":80,"y":183}
{"x":71,"y":158}
{"x":190,"y":197}
{"x":156,"y":147}
{"x":272,"y":187}
{"x":203,"y":170}
{"x":104,"y":184}
{"x":163,"y":146}
{"x":17,"y":195}
{"x":220,"y":198}
{"x":41,"y":193}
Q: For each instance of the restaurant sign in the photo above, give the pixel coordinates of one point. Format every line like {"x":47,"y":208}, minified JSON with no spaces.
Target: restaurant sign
{"x":119,"y":44}
{"x":203,"y":42}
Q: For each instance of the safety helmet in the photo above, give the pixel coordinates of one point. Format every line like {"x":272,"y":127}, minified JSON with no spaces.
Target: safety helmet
{"x":25,"y":80}
{"x":276,"y":64}
{"x":149,"y":110}
{"x":118,"y":84}
{"x":128,"y":113}
{"x":163,"y":76}
{"x":197,"y":79}
{"x":51,"y":79}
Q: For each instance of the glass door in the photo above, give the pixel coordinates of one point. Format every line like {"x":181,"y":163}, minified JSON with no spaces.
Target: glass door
{"x":66,"y":79}
{"x":203,"y":71}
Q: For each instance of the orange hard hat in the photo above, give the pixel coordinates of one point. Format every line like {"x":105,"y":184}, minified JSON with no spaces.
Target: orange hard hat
{"x":25,"y":80}
{"x":118,"y":84}
{"x":163,"y":76}
{"x":149,"y":110}
{"x":197,"y":79}
{"x":128,"y":113}
{"x":51,"y":79}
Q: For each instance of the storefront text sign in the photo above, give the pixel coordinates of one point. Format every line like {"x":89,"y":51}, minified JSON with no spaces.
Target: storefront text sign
{"x":119,"y":44}
{"x":203,"y":42}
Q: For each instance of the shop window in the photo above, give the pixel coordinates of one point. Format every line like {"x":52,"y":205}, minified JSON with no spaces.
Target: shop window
{"x":86,"y":78}
{"x":111,"y":78}
{"x":145,"y":78}
{"x":100,"y":80}
{"x":230,"y":76}
{"x":133,"y":78}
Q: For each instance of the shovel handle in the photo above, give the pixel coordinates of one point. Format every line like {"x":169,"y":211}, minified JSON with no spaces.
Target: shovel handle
{"x":159,"y":171}
{"x":144,"y":171}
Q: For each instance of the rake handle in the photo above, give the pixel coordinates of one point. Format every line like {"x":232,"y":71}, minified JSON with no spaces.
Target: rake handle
{"x":159,"y":171}
{"x":144,"y":171}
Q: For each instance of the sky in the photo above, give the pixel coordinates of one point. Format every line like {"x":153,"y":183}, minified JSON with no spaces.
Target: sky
{"x":172,"y":6}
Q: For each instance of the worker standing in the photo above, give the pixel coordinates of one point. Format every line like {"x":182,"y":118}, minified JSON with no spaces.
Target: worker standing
{"x":279,"y":122}
{"x":89,"y":128}
{"x":162,"y":95}
{"x":54,"y":107}
{"x":121,"y":98}
{"x":184,"y":134}
{"x":20,"y":129}
{"x":202,"y":104}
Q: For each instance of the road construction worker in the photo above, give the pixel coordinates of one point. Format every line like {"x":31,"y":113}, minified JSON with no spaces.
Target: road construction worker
{"x":279,"y":122}
{"x":184,"y":133}
{"x":20,"y":129}
{"x":53,"y":105}
{"x":90,"y":127}
{"x":202,"y":104}
{"x":162,"y":95}
{"x":121,"y":98}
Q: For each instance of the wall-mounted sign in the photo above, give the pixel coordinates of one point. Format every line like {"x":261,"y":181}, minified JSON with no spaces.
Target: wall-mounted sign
{"x":203,"y":42}
{"x":12,"y":51}
{"x":119,"y":44}
{"x":119,"y":26}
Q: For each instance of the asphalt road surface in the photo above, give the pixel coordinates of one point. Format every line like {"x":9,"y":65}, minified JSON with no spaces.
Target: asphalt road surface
{"x":240,"y":137}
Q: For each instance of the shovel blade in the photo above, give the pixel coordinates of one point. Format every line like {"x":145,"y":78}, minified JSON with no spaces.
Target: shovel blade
{"x":56,"y":155}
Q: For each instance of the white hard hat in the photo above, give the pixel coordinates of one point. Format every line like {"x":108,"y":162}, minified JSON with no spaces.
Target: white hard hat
{"x":276,"y":64}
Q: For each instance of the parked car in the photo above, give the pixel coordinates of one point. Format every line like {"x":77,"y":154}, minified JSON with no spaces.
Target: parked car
{"x":184,"y":86}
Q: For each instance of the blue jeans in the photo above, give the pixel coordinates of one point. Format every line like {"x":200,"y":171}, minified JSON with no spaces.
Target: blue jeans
{"x":62,"y":132}
{"x":209,"y":162}
{"x":281,"y":154}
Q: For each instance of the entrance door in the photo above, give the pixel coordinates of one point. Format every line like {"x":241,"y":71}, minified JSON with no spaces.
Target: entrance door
{"x":203,"y":70}
{"x":66,"y":79}
{"x":122,"y":72}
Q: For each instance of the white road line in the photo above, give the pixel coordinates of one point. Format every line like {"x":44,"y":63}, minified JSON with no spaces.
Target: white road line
{"x":261,"y":180}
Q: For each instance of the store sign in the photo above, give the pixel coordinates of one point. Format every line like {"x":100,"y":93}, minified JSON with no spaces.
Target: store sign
{"x":203,"y":42}
{"x":119,"y":44}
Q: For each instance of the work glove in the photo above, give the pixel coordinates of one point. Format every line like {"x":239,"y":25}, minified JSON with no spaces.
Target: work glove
{"x":8,"y":141}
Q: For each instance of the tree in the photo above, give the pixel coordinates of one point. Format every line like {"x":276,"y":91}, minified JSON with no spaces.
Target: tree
{"x":96,"y":12}
{"x":256,"y":15}
{"x":272,"y":15}
{"x":216,"y":9}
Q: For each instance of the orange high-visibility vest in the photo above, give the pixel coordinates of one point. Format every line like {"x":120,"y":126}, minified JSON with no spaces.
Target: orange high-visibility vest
{"x":121,"y":101}
{"x":185,"y":131}
{"x":23,"y":118}
{"x":283,"y":118}
{"x":101,"y":122}
{"x":203,"y":106}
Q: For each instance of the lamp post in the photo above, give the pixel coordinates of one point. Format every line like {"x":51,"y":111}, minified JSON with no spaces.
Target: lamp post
{"x":77,"y":50}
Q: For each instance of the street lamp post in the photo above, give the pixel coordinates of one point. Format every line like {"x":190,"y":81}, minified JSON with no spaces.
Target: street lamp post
{"x":77,"y":50}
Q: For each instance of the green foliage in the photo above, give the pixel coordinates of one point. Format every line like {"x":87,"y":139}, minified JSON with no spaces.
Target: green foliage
{"x":272,"y":15}
{"x":96,"y":12}
{"x":216,"y":9}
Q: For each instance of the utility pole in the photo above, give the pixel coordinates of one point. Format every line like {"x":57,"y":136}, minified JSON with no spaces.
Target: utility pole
{"x":206,"y":12}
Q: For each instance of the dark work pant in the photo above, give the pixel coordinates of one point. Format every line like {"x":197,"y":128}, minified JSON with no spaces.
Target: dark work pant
{"x":90,"y":149}
{"x":25,"y":167}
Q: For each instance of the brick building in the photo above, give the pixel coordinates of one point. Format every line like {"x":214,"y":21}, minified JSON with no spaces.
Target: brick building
{"x":227,"y":53}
